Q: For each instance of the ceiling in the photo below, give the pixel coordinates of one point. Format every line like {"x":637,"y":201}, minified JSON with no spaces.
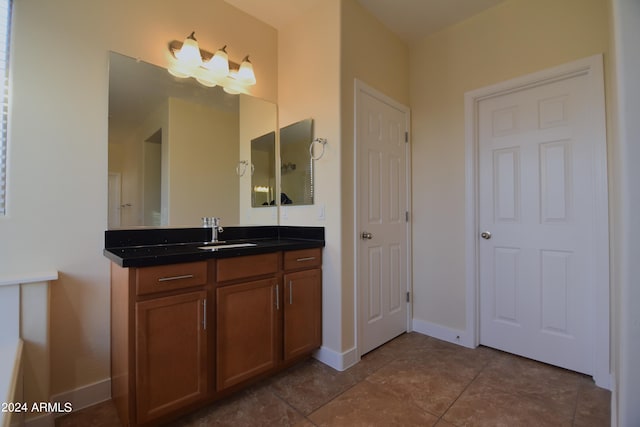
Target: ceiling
{"x":411,"y":20}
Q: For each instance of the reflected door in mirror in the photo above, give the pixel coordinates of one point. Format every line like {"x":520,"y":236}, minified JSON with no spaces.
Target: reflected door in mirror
{"x":263,"y":180}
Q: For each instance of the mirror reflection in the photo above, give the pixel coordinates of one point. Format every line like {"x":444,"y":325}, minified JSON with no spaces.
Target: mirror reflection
{"x":296,"y":165}
{"x":174,"y":147}
{"x":263,"y":165}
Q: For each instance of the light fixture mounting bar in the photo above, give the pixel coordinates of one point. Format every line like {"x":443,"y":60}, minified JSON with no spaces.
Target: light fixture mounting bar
{"x":176,"y":45}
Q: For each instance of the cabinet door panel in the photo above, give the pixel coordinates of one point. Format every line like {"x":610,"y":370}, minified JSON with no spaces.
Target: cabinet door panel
{"x":302,"y":312}
{"x":171,"y":353}
{"x":246,"y":319}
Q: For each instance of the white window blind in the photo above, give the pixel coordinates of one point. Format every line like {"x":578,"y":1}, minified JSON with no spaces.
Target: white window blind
{"x":5,"y":31}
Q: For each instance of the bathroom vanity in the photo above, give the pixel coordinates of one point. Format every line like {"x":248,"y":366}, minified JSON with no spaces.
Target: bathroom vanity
{"x":191,"y":324}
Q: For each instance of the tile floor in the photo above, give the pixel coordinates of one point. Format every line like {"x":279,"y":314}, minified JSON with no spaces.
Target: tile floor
{"x":413,"y":380}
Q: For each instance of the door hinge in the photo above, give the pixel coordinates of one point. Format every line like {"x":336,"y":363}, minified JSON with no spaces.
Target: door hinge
{"x":406,"y":216}
{"x":408,"y":296}
{"x":406,"y":136}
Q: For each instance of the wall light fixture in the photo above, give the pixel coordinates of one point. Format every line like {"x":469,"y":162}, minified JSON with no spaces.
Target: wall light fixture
{"x":210,"y":70}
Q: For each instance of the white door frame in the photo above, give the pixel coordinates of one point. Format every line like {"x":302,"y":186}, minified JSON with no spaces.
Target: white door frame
{"x":593,"y":69}
{"x":360,"y":86}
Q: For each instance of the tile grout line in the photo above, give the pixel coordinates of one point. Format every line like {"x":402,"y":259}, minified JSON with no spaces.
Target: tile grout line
{"x":465,"y":389}
{"x":391,"y":360}
{"x":331,"y":399}
{"x":296,"y":410}
{"x":346,"y":389}
{"x":575,"y":406}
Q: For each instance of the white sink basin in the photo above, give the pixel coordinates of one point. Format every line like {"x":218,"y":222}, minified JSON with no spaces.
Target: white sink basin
{"x":226,"y":246}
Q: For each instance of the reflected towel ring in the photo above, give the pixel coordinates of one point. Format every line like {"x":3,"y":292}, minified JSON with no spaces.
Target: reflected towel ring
{"x":241,"y":169}
{"x":322,"y":141}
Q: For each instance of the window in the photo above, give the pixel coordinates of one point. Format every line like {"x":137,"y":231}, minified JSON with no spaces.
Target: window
{"x":5,"y":30}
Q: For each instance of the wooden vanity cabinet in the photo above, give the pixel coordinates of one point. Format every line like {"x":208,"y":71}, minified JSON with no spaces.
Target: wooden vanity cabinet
{"x":263,"y":324}
{"x":247,"y":316}
{"x":246,"y":339}
{"x":171,"y":354}
{"x":302,"y":305}
{"x":159,"y":340}
{"x":302,"y":325}
{"x":184,"y":335}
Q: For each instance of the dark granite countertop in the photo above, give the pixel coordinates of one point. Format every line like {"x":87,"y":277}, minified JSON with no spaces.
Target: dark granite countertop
{"x":158,"y":246}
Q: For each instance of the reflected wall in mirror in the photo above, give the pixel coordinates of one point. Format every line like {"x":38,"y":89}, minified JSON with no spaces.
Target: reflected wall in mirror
{"x":296,"y":165}
{"x":174,"y":146}
{"x":263,"y":167}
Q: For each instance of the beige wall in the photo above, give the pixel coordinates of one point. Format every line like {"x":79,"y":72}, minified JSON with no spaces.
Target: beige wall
{"x":126,"y":155}
{"x":295,"y":183}
{"x":320,"y":55}
{"x":257,"y":117}
{"x":203,"y":154}
{"x":374,"y":55}
{"x":57,"y":176}
{"x":158,"y":119}
{"x":57,"y":209}
{"x":515,"y":38}
{"x":309,"y":86}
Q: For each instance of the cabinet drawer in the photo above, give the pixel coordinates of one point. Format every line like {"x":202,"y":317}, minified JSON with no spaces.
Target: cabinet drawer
{"x":304,"y":258}
{"x":170,"y":277}
{"x":247,"y":266}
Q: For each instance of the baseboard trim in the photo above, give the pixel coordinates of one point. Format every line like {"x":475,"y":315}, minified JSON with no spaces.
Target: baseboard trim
{"x":604,"y":381}
{"x":338,"y":361}
{"x":79,"y":398}
{"x":454,"y":336}
{"x":85,"y":396}
{"x":46,"y":420}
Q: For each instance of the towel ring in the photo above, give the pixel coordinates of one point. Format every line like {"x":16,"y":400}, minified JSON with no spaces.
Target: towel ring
{"x":322,"y":141}
{"x":241,"y":169}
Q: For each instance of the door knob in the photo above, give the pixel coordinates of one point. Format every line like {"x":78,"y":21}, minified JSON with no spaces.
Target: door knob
{"x":366,"y":236}
{"x":485,"y":235}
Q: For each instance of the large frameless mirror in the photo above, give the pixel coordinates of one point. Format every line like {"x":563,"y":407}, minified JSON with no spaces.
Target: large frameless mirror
{"x":175,"y":148}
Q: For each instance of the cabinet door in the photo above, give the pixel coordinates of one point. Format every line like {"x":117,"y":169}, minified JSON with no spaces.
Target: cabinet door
{"x":171,"y":353}
{"x":302,"y":312}
{"x":246,"y":319}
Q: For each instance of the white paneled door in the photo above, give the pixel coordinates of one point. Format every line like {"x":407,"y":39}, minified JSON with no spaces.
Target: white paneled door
{"x":382,"y":227}
{"x":537,"y":226}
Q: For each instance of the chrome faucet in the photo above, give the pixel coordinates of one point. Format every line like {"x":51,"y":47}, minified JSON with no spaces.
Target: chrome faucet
{"x":214,"y":224}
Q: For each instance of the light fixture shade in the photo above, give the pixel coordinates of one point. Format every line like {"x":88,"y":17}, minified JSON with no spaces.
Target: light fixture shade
{"x":205,"y":77}
{"x":187,"y":61}
{"x":231,"y":84}
{"x":188,"y":57}
{"x":176,"y":69}
{"x":218,"y":65}
{"x":245,"y":73}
